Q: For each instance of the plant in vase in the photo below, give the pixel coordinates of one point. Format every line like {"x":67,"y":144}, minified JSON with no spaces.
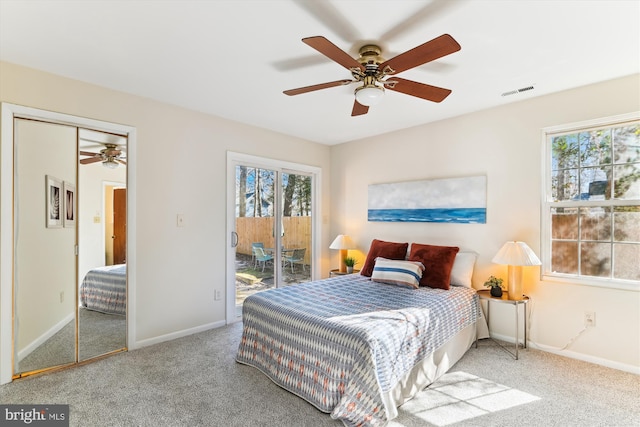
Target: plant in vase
{"x":495,"y":284}
{"x":350,"y":262}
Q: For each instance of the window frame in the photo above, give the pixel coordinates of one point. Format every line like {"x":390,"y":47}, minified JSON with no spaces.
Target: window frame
{"x":547,"y":203}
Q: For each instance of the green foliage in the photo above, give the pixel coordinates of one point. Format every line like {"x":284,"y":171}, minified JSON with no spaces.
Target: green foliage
{"x":493,"y":282}
{"x":350,"y":261}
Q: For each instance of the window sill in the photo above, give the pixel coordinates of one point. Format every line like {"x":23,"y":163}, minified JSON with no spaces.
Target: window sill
{"x":623,"y":285}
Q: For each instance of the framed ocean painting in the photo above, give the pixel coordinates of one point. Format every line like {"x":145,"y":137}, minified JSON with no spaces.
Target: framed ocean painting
{"x":449,"y":200}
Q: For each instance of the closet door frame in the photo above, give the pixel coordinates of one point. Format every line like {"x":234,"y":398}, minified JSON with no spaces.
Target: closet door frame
{"x":8,"y":113}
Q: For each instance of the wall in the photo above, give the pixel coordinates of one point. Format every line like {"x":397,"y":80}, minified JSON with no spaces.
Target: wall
{"x":505,"y":144}
{"x":180,"y":168}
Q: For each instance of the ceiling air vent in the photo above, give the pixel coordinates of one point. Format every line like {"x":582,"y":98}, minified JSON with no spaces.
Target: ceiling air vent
{"x":513,"y":92}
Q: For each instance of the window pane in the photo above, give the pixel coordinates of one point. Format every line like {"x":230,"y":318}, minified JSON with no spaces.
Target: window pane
{"x":564,"y":184}
{"x":564,"y":152}
{"x":595,"y":259}
{"x":627,"y":181}
{"x":594,"y":183}
{"x":564,"y":223}
{"x":626,"y":144}
{"x":564,"y":257}
{"x":627,"y":261}
{"x":626,"y":224}
{"x":595,"y":223}
{"x":595,"y":148}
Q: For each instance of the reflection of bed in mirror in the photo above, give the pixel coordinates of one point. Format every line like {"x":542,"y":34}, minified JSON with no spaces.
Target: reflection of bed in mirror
{"x":104,"y":289}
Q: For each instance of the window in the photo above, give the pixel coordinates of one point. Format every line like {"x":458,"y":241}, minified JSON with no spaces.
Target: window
{"x":591,"y":202}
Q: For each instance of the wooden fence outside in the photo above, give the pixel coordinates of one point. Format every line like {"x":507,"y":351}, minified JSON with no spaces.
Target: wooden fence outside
{"x":297,"y":233}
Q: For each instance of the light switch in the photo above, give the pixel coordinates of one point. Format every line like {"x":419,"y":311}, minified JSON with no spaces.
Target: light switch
{"x":180,"y":220}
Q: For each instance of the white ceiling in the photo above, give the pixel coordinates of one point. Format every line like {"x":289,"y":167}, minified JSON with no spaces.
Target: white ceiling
{"x":234,"y":58}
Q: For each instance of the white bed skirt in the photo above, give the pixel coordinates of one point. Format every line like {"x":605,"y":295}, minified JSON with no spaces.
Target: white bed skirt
{"x":431,"y":368}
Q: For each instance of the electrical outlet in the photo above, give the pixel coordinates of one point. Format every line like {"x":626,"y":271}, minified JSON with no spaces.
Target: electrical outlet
{"x":217,"y":295}
{"x":589,"y":319}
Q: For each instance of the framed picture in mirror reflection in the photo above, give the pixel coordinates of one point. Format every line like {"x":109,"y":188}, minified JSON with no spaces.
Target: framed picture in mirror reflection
{"x":69,"y":210}
{"x":54,"y":203}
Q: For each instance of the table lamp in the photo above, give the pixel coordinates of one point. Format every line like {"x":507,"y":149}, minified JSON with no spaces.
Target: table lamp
{"x":343,"y":243}
{"x":515,"y":255}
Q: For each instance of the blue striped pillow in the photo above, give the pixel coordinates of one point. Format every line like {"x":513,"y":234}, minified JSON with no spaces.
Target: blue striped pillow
{"x":395,"y":272}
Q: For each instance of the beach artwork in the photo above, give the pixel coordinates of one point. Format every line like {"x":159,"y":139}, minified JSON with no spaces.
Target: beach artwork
{"x":449,"y":200}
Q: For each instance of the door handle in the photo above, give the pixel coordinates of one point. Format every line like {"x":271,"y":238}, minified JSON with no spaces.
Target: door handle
{"x":234,"y":239}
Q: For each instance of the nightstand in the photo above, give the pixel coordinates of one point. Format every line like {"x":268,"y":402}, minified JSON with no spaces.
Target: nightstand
{"x":337,"y":272}
{"x":486,"y":295}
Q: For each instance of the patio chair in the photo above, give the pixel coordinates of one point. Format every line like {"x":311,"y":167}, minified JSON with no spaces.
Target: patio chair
{"x":296,"y":257}
{"x":255,"y":245}
{"x":262,"y":257}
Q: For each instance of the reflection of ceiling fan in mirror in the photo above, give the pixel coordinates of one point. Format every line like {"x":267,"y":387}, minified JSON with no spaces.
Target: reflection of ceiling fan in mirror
{"x":110,"y":156}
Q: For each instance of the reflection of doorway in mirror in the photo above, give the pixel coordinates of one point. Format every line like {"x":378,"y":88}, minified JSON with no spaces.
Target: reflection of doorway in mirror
{"x":115,"y":209}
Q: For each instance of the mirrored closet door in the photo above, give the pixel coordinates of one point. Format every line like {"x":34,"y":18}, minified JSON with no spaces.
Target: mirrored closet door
{"x":44,"y":246}
{"x":69,"y":297}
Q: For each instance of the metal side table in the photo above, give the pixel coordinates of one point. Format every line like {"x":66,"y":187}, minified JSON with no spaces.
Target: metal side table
{"x":486,"y":295}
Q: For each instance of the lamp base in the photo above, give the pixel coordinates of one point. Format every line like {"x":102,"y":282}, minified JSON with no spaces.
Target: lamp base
{"x":514,"y":287}
{"x":343,"y":266}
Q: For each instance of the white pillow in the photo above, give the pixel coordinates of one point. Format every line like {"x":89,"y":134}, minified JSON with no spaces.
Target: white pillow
{"x":463,"y":269}
{"x":397,"y":272}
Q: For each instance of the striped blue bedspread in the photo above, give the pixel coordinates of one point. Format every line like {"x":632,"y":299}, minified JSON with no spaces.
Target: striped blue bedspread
{"x":104,"y":289}
{"x":341,"y":343}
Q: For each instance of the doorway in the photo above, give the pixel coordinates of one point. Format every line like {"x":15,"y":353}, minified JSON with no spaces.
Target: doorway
{"x":272,"y":243}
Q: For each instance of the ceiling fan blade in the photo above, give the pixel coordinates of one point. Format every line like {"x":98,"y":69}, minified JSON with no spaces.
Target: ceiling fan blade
{"x":420,"y":90}
{"x":426,"y":52}
{"x":333,"y":52}
{"x":306,"y":89}
{"x":121,"y":161}
{"x":359,"y":109}
{"x":88,"y":153}
{"x":331,"y":17}
{"x":90,"y":160}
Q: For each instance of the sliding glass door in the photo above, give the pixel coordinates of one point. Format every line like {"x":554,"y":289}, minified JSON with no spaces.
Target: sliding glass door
{"x":271,"y":236}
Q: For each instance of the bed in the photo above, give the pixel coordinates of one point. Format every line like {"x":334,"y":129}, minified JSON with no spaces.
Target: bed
{"x":104,"y":289}
{"x":354,"y":347}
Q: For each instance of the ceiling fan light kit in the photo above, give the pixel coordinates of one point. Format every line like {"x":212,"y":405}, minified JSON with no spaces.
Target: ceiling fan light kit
{"x":369,"y":95}
{"x":110,"y":163}
{"x":370,"y":69}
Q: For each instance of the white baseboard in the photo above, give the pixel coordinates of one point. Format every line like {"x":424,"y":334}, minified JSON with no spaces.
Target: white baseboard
{"x":44,"y":337}
{"x":587,"y":358}
{"x":177,"y":334}
{"x":573,"y":355}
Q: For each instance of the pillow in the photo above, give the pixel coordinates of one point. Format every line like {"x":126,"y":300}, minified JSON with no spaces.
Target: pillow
{"x":437,"y":261}
{"x":463,"y":269}
{"x":380,"y":248}
{"x":396,"y":272}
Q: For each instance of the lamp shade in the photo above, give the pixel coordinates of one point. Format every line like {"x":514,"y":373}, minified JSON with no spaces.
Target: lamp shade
{"x":342,"y":242}
{"x":516,"y":253}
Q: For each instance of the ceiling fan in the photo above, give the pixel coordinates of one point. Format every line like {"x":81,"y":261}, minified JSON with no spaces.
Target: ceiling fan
{"x":110,"y":156}
{"x":371,"y":69}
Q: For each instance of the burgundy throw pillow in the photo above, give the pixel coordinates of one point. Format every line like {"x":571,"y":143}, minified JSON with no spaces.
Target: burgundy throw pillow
{"x":380,"y":248}
{"x":437,"y":261}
